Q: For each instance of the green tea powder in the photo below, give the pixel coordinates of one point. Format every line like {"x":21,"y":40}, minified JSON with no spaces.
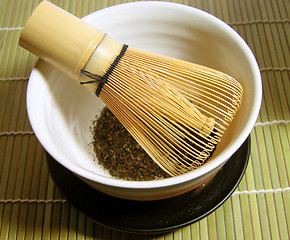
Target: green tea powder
{"x":119,"y":153}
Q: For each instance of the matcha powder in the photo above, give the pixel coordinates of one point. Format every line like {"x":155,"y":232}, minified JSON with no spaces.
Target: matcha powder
{"x":119,"y":153}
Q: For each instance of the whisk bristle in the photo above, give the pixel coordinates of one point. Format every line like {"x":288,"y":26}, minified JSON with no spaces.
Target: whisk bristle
{"x":177,"y":111}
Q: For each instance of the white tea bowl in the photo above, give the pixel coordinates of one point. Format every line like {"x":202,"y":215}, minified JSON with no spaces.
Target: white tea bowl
{"x":62,"y":112}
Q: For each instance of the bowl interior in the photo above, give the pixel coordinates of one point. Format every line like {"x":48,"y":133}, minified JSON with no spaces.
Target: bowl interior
{"x":61,"y":111}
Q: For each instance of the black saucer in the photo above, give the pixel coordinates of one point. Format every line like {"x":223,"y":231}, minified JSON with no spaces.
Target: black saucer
{"x":152,"y":216}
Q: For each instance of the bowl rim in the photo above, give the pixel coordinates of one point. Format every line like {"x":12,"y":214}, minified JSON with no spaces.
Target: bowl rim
{"x":202,"y":170}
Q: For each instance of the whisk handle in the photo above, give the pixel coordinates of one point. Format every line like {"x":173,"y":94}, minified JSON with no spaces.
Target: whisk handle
{"x":60,"y":38}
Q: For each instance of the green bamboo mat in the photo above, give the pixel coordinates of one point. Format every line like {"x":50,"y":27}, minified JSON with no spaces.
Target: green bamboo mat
{"x":31,"y":207}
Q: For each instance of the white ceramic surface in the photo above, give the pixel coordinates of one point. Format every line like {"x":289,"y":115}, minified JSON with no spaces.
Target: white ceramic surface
{"x":61,"y":111}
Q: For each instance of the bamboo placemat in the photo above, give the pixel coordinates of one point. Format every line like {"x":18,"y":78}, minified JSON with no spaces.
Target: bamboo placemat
{"x":32,"y":207}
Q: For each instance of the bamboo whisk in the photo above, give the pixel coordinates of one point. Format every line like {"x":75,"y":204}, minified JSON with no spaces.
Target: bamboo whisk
{"x":176,"y":110}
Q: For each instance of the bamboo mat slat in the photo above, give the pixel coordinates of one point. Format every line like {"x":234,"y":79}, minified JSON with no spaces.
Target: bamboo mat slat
{"x":31,"y":206}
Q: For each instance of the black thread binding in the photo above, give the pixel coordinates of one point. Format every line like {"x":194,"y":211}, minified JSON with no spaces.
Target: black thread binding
{"x":101,"y":80}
